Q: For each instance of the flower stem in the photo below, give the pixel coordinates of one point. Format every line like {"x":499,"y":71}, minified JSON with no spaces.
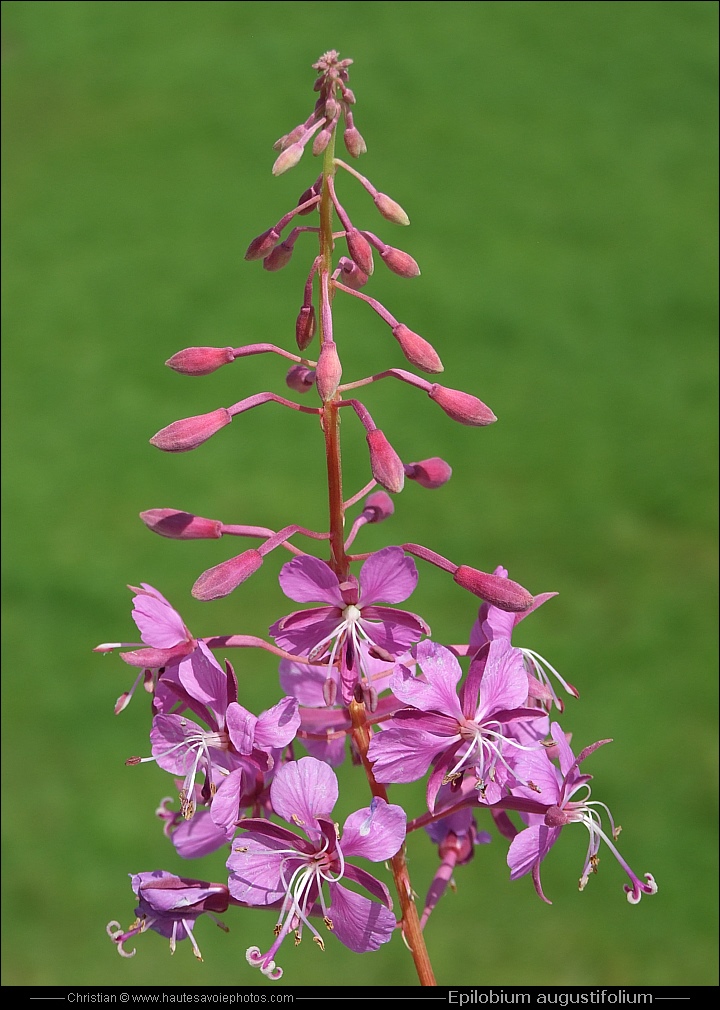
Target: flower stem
{"x":410,"y":921}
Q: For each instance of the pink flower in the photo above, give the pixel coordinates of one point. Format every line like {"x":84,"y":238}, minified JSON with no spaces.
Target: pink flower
{"x":350,"y":616}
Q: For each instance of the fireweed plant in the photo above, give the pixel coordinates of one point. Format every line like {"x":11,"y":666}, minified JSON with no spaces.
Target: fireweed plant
{"x":358,"y":675}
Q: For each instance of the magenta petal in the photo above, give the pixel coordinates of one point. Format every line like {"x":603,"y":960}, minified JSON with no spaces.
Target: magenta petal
{"x":404,"y":752}
{"x":226,"y":801}
{"x":388,"y":576}
{"x":358,"y":922}
{"x":376,"y":832}
{"x":529,"y":847}
{"x":277,"y":727}
{"x":204,"y":680}
{"x":504,"y":681}
{"x":441,"y":672}
{"x":241,"y":727}
{"x":256,"y":863}
{"x":160,"y":626}
{"x":302,"y":630}
{"x":303,"y":790}
{"x":307,"y":579}
{"x":199,"y":836}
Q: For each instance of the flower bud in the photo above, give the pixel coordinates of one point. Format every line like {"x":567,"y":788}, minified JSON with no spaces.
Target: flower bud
{"x":329,"y":371}
{"x":378,"y":507}
{"x":288,"y":159}
{"x":354,"y":142}
{"x":305,"y":326}
{"x":301,"y":378}
{"x":495,"y":590}
{"x":181,"y":525}
{"x":200,"y":360}
{"x":223,"y":578}
{"x":390,"y":210}
{"x":190,"y":432}
{"x":360,"y":251}
{"x":386,"y":465}
{"x":279,"y":257}
{"x":401,"y":263}
{"x":417,"y":350}
{"x":321,"y":141}
{"x":262,"y":245}
{"x":461,"y":407}
{"x":430,"y":473}
{"x":352,"y":275}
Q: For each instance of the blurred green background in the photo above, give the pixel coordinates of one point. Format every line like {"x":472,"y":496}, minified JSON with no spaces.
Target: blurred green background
{"x":558,"y":162}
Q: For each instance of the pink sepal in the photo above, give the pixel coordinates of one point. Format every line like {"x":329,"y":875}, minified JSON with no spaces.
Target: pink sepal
{"x":501,"y":593}
{"x":461,"y":407}
{"x":417,"y":350}
{"x":190,"y":432}
{"x":386,"y":465}
{"x":181,"y":525}
{"x":223,"y":578}
{"x":200,"y":360}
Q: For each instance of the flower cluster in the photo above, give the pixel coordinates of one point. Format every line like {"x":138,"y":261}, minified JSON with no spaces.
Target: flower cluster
{"x":357,"y":675}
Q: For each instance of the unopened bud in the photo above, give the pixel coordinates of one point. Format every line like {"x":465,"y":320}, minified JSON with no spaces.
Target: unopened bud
{"x":178,"y":525}
{"x":305,"y":326}
{"x":417,"y":350}
{"x":360,"y":251}
{"x":401,"y":263}
{"x":200,"y":360}
{"x":190,"y":432}
{"x":261,"y":246}
{"x":352,"y":275}
{"x":288,"y":159}
{"x":461,"y":407}
{"x":321,"y":141}
{"x":430,"y":473}
{"x":386,"y":465}
{"x":301,"y":378}
{"x":378,"y":507}
{"x":279,"y":257}
{"x":223,"y":578}
{"x":329,"y":371}
{"x":495,"y":590}
{"x":354,"y":142}
{"x":390,"y":210}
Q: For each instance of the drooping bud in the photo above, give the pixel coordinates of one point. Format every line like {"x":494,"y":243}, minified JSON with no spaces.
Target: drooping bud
{"x":352,"y":275}
{"x":417,"y":350}
{"x":190,"y":432}
{"x":378,"y":507}
{"x":461,"y":407}
{"x":261,"y":246}
{"x":322,"y":140}
{"x":305,"y":326}
{"x":354,"y":142}
{"x":386,"y":465}
{"x":495,"y":590}
{"x":301,"y":378}
{"x":178,"y":525}
{"x":360,"y":251}
{"x":309,"y":193}
{"x":200,"y":360}
{"x":279,"y":257}
{"x":430,"y":473}
{"x":390,"y":210}
{"x":401,"y":263}
{"x":329,"y":371}
{"x":223,"y":578}
{"x":288,"y":159}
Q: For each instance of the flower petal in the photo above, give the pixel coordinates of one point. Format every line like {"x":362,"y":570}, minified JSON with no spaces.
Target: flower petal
{"x":375,"y":832}
{"x":388,"y":576}
{"x":358,"y":922}
{"x":303,"y":790}
{"x":307,"y":579}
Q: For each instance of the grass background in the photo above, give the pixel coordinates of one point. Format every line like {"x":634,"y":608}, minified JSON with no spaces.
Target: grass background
{"x":557,"y":161}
